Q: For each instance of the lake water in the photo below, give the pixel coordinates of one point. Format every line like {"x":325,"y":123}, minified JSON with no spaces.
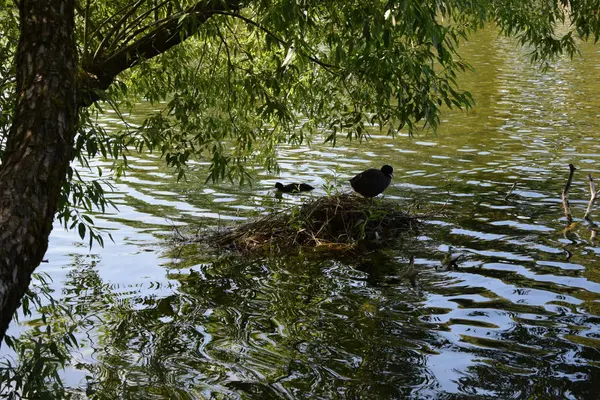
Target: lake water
{"x":518,"y":318}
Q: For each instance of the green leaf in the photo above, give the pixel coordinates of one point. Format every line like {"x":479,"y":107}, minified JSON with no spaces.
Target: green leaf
{"x":81,"y":228}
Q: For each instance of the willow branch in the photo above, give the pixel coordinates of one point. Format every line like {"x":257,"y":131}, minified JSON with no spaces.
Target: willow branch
{"x":127,"y":35}
{"x":120,"y":23}
{"x":161,"y":39}
{"x":100,"y":74}
{"x":88,"y":25}
{"x":229,"y":67}
{"x":323,"y":64}
{"x":565,"y":194}
{"x":86,"y":29}
{"x":110,"y":18}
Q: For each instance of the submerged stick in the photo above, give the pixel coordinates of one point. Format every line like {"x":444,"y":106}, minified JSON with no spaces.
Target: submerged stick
{"x":565,"y":194}
{"x":411,"y":273}
{"x":593,"y":197}
{"x":514,"y":185}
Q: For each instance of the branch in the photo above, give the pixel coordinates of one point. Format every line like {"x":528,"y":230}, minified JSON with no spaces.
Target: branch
{"x":159,"y":40}
{"x":565,"y":194}
{"x":86,"y":28}
{"x":120,"y":23}
{"x":109,"y":19}
{"x":593,"y":197}
{"x":87,"y":24}
{"x":134,"y":24}
{"x":325,"y":65}
{"x":229,"y":67}
{"x":98,"y":76}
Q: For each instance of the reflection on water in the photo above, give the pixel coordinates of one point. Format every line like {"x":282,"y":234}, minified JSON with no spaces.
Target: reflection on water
{"x":519,"y":317}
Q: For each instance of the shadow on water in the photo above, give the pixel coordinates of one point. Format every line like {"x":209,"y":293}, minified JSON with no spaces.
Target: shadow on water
{"x":267,"y":328}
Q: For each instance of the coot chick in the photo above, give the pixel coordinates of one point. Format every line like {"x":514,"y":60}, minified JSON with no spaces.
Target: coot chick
{"x":373,"y":181}
{"x":293,"y":187}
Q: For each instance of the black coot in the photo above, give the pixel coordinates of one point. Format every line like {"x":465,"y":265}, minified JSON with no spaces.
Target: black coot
{"x":293,"y":187}
{"x":373,"y":181}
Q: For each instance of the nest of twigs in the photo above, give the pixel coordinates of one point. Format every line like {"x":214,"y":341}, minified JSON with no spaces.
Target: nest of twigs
{"x":337,"y":222}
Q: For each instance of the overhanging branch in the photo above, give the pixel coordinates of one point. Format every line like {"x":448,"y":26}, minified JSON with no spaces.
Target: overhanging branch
{"x":326,"y":66}
{"x":172,"y":32}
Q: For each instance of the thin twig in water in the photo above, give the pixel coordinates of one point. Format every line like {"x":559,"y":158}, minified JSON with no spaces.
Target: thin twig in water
{"x":434,"y":213}
{"x":180,"y":236}
{"x":593,"y":197}
{"x":514,"y":185}
{"x":565,"y":194}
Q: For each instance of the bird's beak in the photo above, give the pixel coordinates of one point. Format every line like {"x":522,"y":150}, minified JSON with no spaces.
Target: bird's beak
{"x":392,"y":174}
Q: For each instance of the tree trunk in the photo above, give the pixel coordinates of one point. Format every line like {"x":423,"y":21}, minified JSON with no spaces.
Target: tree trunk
{"x":39,"y":144}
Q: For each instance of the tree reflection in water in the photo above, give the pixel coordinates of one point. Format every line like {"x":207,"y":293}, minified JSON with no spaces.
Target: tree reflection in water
{"x":292,"y":327}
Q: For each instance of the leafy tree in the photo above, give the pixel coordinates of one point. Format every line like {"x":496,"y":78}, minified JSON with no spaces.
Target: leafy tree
{"x":232,"y":79}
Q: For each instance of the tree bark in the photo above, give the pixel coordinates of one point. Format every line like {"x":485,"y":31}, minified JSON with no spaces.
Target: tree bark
{"x":39,"y":144}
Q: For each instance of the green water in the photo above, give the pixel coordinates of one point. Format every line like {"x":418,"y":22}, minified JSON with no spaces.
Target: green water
{"x":519,"y":318}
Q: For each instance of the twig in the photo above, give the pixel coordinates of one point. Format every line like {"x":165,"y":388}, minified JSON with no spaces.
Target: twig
{"x":514,"y":185}
{"x":181,"y":237}
{"x":450,"y":261}
{"x":328,"y":67}
{"x":432,"y":214}
{"x":569,"y":254}
{"x":593,"y":197}
{"x":411,"y":273}
{"x":565,"y":194}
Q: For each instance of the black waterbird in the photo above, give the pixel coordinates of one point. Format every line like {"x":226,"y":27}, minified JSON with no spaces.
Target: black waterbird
{"x":293,"y":187}
{"x":373,"y":181}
